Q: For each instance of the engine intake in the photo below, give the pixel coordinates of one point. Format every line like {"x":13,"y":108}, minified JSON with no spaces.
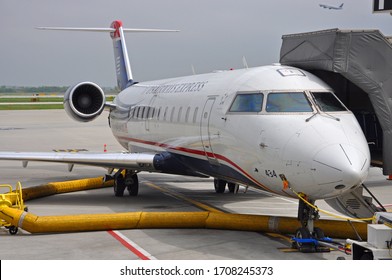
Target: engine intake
{"x":84,"y":101}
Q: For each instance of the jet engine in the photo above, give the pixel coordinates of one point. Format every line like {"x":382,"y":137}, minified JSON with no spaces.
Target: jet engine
{"x":84,"y":101}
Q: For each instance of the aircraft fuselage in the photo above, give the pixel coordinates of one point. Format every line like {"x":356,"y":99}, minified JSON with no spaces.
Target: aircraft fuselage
{"x":199,"y":122}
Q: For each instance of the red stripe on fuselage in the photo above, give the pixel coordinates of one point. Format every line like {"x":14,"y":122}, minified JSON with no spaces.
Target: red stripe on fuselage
{"x":197,"y":152}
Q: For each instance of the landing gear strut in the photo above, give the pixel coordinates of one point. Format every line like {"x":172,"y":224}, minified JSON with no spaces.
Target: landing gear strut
{"x":130,"y":181}
{"x":307,"y":235}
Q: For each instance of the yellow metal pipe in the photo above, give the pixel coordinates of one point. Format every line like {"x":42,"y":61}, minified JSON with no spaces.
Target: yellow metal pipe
{"x":145,"y":220}
{"x":64,"y":187}
{"x":286,"y":225}
{"x":149,"y":220}
{"x":58,"y":188}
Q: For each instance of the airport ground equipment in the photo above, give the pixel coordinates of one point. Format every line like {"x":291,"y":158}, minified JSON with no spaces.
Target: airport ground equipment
{"x":356,"y":64}
{"x":379,"y":243}
{"x":178,"y":220}
{"x":144,"y":220}
{"x":11,"y":199}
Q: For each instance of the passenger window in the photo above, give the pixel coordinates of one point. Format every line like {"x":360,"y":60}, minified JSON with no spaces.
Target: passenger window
{"x":151,"y":112}
{"x":145,"y":112}
{"x":172,"y":114}
{"x":288,"y":102}
{"x":249,"y":102}
{"x":328,"y":102}
{"x":159,"y":113}
{"x":165,"y":113}
{"x":187,"y":114}
{"x":195,"y":114}
{"x":141,"y":112}
{"x":131,"y":112}
{"x":179,"y":114}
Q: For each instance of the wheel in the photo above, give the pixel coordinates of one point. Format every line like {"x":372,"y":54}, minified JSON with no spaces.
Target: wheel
{"x":132,"y":183}
{"x":232,"y":187}
{"x":367,"y":255}
{"x":318,"y":233}
{"x":220,"y":185}
{"x":119,"y":185}
{"x":304,"y":233}
{"x":13,"y":230}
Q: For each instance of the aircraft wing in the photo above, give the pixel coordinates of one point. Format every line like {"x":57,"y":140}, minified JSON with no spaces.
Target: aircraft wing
{"x":135,"y":161}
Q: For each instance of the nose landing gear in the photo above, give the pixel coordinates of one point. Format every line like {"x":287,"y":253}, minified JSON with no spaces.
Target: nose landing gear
{"x":307,"y":236}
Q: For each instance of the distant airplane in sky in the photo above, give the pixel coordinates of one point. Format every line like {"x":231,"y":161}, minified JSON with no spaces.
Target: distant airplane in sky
{"x":332,"y":7}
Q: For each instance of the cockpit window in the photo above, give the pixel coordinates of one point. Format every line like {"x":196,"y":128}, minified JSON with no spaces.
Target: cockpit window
{"x":288,"y":102}
{"x":249,"y":102}
{"x":327,"y":102}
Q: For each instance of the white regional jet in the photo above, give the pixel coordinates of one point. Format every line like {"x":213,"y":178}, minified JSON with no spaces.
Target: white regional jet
{"x":332,"y":7}
{"x":276,"y":128}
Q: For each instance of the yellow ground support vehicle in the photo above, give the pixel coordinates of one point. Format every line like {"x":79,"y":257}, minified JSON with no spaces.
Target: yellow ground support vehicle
{"x":13,"y":199}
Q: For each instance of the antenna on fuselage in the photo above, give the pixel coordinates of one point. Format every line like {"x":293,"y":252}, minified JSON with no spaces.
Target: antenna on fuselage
{"x":244,"y":62}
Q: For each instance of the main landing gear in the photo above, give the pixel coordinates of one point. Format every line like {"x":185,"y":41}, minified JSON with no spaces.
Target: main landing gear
{"x":307,"y":235}
{"x":126,"y":180}
{"x":220,"y":186}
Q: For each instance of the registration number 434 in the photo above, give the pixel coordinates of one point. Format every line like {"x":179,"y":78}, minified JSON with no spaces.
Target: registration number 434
{"x":270,"y":173}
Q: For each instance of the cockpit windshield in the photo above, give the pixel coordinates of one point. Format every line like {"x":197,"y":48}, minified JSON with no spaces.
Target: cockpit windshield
{"x":327,"y":102}
{"x":249,"y":102}
{"x":288,"y":102}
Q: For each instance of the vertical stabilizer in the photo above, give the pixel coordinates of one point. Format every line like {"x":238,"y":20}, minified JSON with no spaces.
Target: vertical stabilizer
{"x":123,"y":67}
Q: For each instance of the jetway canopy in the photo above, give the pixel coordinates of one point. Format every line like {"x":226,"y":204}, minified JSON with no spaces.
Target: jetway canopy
{"x":364,"y":57}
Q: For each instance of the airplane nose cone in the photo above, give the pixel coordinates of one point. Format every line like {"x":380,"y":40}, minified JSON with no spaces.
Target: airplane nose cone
{"x":340,"y":167}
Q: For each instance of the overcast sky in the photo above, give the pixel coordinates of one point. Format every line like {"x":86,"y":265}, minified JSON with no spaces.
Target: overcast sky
{"x":215,"y":34}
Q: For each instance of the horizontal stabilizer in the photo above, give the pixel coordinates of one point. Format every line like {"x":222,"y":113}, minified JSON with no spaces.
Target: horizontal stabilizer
{"x":104,"y":29}
{"x":116,"y":30}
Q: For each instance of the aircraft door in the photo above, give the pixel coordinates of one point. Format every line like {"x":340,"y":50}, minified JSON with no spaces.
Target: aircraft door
{"x":205,"y":132}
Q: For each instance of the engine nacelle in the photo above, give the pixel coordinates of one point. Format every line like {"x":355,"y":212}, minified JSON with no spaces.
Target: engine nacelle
{"x":84,"y":101}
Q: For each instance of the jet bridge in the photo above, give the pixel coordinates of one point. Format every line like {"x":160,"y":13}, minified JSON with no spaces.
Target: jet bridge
{"x":357,"y":64}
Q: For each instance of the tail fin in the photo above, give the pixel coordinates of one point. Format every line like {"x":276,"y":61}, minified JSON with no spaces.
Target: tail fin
{"x":121,"y":60}
{"x":123,"y":67}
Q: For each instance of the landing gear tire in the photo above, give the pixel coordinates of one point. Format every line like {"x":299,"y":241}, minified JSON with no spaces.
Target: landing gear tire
{"x":303,"y":233}
{"x":13,"y":230}
{"x":220,"y":185}
{"x":132,"y":183}
{"x":119,"y":185}
{"x":233,"y":187}
{"x":318,"y":233}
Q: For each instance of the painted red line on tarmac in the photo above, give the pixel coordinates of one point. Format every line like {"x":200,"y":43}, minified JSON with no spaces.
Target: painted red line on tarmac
{"x":128,"y":245}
